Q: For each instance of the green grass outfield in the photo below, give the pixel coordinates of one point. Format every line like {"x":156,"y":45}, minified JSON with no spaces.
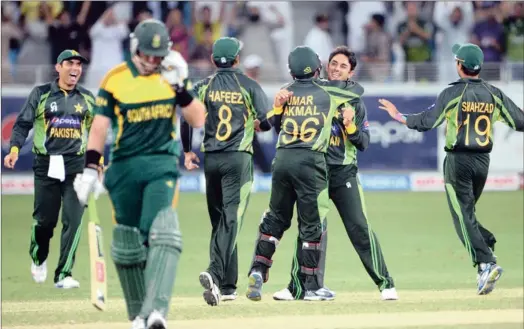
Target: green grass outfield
{"x":433,"y":274}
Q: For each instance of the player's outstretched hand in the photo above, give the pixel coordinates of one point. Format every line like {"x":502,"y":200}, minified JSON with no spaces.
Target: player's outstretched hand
{"x":189,"y":160}
{"x":282,"y":97}
{"x":392,"y":110}
{"x":10,"y":160}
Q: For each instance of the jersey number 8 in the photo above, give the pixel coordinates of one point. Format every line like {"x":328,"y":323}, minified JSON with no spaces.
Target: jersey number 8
{"x":225,"y":115}
{"x":305,"y":134}
{"x":485,"y":132}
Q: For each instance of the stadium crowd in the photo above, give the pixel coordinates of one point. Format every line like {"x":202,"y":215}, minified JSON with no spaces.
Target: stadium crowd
{"x":393,"y":40}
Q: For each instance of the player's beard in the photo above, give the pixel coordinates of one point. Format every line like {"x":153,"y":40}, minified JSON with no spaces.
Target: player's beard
{"x":143,"y":67}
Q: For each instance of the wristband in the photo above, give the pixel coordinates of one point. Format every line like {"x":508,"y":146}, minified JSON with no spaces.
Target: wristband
{"x":93,"y":158}
{"x":351,"y":129}
{"x":400,"y":117}
{"x":183,"y":97}
{"x":14,"y":149}
{"x":278,"y":110}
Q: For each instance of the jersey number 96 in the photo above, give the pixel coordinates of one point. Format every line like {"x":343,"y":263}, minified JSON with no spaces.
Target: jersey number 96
{"x":305,"y":134}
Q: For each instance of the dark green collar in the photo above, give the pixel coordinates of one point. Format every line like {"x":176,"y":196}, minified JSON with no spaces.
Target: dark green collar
{"x":132,"y":67}
{"x":229,"y":69}
{"x":55,"y":88}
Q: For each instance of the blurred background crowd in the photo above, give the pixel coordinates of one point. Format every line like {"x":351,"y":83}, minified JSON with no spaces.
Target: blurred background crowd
{"x":394,"y":41}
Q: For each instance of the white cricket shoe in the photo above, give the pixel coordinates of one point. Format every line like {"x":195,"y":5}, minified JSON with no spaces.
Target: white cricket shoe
{"x":211,"y":293}
{"x":389,"y":294}
{"x":283,"y":294}
{"x":67,"y":283}
{"x":39,"y":272}
{"x":229,"y":297}
{"x":155,"y":320}
{"x":138,"y":323}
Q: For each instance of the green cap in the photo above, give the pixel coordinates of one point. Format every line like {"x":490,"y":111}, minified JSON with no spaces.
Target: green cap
{"x":70,"y":54}
{"x":226,"y":49}
{"x":303,"y":61}
{"x":470,"y":55}
{"x":152,"y":38}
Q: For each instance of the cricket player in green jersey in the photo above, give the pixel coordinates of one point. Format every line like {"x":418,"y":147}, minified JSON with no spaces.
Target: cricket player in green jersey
{"x":470,"y":107}
{"x":236,"y":105}
{"x":304,"y":111}
{"x":61,"y":113}
{"x":137,"y":99}
{"x":345,"y":190}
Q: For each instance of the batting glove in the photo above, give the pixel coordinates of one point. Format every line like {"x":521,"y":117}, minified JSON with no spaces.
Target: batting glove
{"x":174,"y":68}
{"x":85,"y":184}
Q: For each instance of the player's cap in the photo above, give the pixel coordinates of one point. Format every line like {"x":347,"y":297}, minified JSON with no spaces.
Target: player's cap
{"x":252,"y":61}
{"x":303,"y":61}
{"x":152,"y":38}
{"x":70,"y":54}
{"x":226,"y":49}
{"x":470,"y":55}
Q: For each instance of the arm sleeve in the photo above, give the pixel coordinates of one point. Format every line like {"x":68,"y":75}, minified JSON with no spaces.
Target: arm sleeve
{"x":186,"y":135}
{"x":90,"y":114}
{"x":24,"y":121}
{"x":429,"y":119}
{"x":260,"y":102}
{"x":105,"y":103}
{"x":360,"y":138}
{"x":511,"y":114}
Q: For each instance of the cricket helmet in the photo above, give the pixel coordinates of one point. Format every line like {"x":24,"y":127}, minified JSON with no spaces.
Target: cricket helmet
{"x":151,"y":38}
{"x":303,"y":61}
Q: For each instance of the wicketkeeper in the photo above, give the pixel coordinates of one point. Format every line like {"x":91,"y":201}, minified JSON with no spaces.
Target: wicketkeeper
{"x":236,"y":105}
{"x":138,"y":99}
{"x":470,"y":106}
{"x":60,"y":112}
{"x":305,"y":109}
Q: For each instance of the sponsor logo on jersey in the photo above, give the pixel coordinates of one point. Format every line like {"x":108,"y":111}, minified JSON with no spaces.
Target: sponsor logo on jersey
{"x":65,"y":122}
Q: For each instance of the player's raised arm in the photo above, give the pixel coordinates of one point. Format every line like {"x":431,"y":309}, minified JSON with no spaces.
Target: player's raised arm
{"x":510,"y":113}
{"x":358,"y":127}
{"x":423,"y":121}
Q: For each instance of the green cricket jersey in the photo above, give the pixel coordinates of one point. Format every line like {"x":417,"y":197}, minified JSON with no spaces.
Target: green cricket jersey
{"x":343,"y":146}
{"x":470,"y":107}
{"x":60,"y":118}
{"x":233,"y":101}
{"x":307,"y":116}
{"x":142,"y":112}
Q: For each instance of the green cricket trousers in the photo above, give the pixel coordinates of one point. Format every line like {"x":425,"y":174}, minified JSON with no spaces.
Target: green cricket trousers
{"x":465,"y":175}
{"x":229,"y":178}
{"x":51,"y":195}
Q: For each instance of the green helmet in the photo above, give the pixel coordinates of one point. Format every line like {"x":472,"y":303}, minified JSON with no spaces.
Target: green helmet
{"x":303,"y":61}
{"x":151,"y":38}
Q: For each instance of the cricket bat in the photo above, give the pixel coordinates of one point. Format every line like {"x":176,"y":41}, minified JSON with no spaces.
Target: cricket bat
{"x":96,"y":258}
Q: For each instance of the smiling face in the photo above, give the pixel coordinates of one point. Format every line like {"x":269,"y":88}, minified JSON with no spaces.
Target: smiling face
{"x":69,"y":72}
{"x":339,"y":68}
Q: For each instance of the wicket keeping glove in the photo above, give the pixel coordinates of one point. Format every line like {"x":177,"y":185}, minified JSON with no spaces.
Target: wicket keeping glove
{"x":174,"y":68}
{"x":87,"y":183}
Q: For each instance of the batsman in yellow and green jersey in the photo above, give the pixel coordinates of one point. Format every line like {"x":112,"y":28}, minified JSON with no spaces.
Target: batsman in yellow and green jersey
{"x":470,"y":106}
{"x":138,"y":102}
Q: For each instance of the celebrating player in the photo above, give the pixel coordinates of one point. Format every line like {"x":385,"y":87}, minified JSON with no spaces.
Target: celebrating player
{"x":344,"y":187}
{"x":304,"y":109}
{"x":60,"y":112}
{"x":470,"y":107}
{"x":236,"y":105}
{"x":139,"y":101}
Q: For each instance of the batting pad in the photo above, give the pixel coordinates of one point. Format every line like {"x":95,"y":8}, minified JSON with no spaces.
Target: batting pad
{"x":165,"y":246}
{"x":129,"y":255}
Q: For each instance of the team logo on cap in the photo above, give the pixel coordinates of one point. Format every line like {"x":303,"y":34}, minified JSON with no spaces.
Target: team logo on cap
{"x":155,"y":43}
{"x":307,"y":70}
{"x":74,"y":53}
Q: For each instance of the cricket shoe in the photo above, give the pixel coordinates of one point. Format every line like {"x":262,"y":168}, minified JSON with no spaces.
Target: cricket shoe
{"x":254,"y":289}
{"x":39,"y":272}
{"x":228,"y":296}
{"x":212,"y":293}
{"x":284,"y":295}
{"x":389,"y":294}
{"x":138,"y":323}
{"x":67,"y":283}
{"x":155,"y":320}
{"x":487,"y":278}
{"x":321,"y":294}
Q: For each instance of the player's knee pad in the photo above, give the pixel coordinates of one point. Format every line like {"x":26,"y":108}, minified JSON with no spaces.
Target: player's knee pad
{"x":165,"y":230}
{"x":127,"y":248}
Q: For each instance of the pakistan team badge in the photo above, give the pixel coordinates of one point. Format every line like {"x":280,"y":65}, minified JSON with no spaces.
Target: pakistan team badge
{"x":78,"y":108}
{"x":155,"y":43}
